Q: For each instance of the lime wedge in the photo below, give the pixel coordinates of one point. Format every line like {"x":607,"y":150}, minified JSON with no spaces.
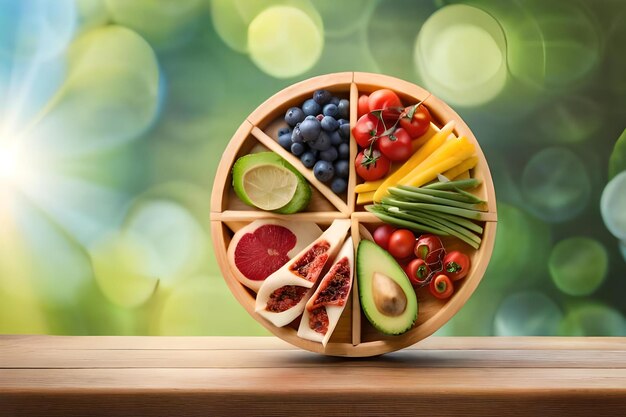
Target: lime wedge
{"x":266,"y":181}
{"x":269,"y":187}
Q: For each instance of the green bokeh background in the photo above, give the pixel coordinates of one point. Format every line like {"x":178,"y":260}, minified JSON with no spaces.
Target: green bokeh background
{"x":114,"y":115}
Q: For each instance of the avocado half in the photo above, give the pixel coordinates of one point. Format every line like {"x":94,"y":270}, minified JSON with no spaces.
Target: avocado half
{"x":300,"y":199}
{"x":372,"y":261}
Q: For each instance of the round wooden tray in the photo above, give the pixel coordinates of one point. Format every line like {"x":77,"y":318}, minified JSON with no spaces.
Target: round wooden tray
{"x":354,"y":336}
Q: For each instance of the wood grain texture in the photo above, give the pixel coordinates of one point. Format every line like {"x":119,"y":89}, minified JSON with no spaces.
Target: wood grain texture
{"x":205,"y":376}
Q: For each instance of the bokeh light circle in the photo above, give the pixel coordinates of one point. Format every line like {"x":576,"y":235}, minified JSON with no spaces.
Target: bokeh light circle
{"x":556,"y":185}
{"x":593,"y":320}
{"x":112,"y":83}
{"x":231,"y":18}
{"x":460,"y":53}
{"x":39,"y":259}
{"x":553,"y":45}
{"x":284,"y":41}
{"x":613,"y":206}
{"x":529,"y":313}
{"x":120,"y":263}
{"x":578,"y":265}
{"x":35,"y":29}
{"x":177,"y":241}
{"x":617,"y":160}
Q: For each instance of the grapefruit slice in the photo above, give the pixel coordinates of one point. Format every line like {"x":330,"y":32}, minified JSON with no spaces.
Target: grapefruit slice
{"x":283,"y":294}
{"x":324,"y":308}
{"x":262,"y":247}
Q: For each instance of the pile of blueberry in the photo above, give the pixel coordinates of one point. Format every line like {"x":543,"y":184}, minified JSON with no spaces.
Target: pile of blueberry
{"x":319,"y":133}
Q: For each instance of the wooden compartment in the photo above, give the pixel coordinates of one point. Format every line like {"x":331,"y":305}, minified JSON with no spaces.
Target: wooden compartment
{"x":354,"y":336}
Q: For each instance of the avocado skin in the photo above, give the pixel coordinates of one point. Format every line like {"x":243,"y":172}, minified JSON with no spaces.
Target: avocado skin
{"x":301,"y":198}
{"x":372,"y":258}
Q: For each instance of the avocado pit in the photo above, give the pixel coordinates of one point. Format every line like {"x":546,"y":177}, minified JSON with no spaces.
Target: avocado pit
{"x":389,"y":298}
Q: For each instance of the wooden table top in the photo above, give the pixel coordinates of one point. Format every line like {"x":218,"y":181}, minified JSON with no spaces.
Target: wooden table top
{"x":243,"y":376}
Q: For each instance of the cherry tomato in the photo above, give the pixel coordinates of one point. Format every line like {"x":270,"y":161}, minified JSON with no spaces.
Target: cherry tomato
{"x":383,"y":98}
{"x":418,"y":124}
{"x":367,"y":127}
{"x":430,"y":249}
{"x":456,"y":265}
{"x":391,"y":115}
{"x":401,"y":243}
{"x":382,"y":235}
{"x":363,"y":105}
{"x":441,"y":287}
{"x":417,"y":271}
{"x":371,"y":167}
{"x":397,"y":146}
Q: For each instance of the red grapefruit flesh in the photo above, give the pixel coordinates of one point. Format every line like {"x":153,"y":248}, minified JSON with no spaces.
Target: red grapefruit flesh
{"x":264,"y":251}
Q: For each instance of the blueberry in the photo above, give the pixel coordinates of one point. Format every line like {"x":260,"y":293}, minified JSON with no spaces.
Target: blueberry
{"x":308,"y":159}
{"x":310,"y":117}
{"x":297,"y":148}
{"x":335,"y":138}
{"x":296,"y":135}
{"x":342,"y":168}
{"x":293,"y":116}
{"x":284,"y":130}
{"x":310,"y":129}
{"x":311,"y":108}
{"x":330,"y":110}
{"x":339,"y":185}
{"x":329,"y":154}
{"x":322,"y":96}
{"x":344,"y":130}
{"x":323,"y":171}
{"x":335,"y":101}
{"x":329,"y":124}
{"x":343,"y":121}
{"x":344,"y":109}
{"x":284,"y":140}
{"x":344,"y":151}
{"x":321,"y":143}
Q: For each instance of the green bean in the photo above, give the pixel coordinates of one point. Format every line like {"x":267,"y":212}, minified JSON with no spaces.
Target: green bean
{"x":458,"y":195}
{"x":451,"y":185}
{"x":461,"y":221}
{"x":384,"y":216}
{"x":411,"y":196}
{"x":452,"y":228}
{"x":469,"y":214}
{"x":469,"y":195}
{"x":396,"y":212}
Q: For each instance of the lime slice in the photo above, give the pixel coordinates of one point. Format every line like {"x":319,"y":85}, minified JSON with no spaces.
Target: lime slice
{"x":269,"y":187}
{"x":266,"y":181}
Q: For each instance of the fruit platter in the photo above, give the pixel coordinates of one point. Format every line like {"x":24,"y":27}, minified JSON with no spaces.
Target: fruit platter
{"x":353,"y":214}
